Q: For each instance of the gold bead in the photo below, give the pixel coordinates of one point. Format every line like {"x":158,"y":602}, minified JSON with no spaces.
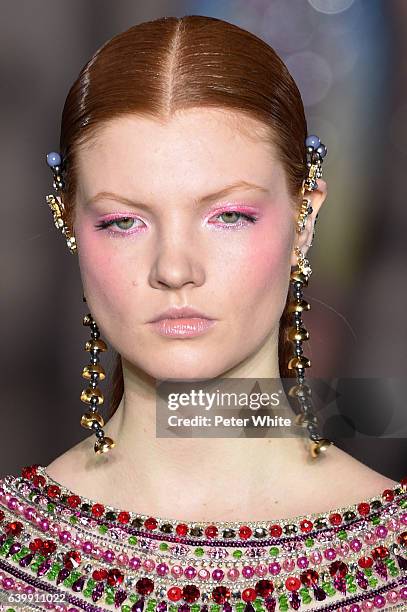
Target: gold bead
{"x":89,"y":417}
{"x":320,"y":447}
{"x":88,"y":393}
{"x":299,"y":334}
{"x":104,"y":445}
{"x":299,"y":390}
{"x":98,"y":344}
{"x":299,"y":363}
{"x":299,"y":306}
{"x":90,"y":369}
{"x":87,"y":319}
{"x":296,"y":275}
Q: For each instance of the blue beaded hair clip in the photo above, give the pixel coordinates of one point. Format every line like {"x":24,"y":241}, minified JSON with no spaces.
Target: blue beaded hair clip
{"x":315,"y":152}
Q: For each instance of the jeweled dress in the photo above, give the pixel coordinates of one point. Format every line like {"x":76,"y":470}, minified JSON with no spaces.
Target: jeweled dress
{"x":60,"y":551}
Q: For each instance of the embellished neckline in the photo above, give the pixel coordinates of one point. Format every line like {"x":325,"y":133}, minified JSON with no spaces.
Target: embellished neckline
{"x":300,"y":525}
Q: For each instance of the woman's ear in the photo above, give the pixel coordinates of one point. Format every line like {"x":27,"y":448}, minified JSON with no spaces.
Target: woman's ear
{"x":304,"y":239}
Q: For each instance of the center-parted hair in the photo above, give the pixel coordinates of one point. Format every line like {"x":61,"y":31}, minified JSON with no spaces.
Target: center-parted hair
{"x":159,"y":67}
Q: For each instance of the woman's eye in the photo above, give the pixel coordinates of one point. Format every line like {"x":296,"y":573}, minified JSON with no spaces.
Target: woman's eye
{"x":231,"y":216}
{"x":123,"y":223}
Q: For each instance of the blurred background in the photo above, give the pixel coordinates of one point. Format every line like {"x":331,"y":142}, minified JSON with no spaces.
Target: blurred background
{"x":348,"y":59}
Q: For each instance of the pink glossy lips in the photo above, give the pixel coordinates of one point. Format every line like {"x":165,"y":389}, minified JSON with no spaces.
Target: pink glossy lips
{"x":182,"y":328}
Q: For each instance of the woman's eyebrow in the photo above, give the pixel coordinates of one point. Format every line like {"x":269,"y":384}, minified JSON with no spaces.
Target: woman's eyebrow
{"x":202,"y":200}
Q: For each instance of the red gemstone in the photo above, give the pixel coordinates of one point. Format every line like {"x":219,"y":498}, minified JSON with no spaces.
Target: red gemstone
{"x":335,"y":519}
{"x":71,"y":559}
{"x":151,"y":523}
{"x":48,"y":547}
{"x":249,"y":594}
{"x":73,"y":501}
{"x":211,"y":531}
{"x":275,"y":531}
{"x":403,"y":482}
{"x":38,"y":481}
{"x":190,"y":593}
{"x":123,"y":517}
{"x":380,"y":552}
{"x":264,"y":588}
{"x":53,"y":491}
{"x":35,"y":544}
{"x":98,"y":510}
{"x":181,"y":529}
{"x":14,"y":528}
{"x":338,"y":568}
{"x":144,"y":586}
{"x":29,"y":471}
{"x":174,"y":593}
{"x":365,"y":562}
{"x":245,"y":532}
{"x":114,"y":577}
{"x":364,"y":508}
{"x":388,"y":495}
{"x":402,"y":538}
{"x":220,"y":594}
{"x":293,"y":583}
{"x":309,"y":577}
{"x":2,"y":515}
{"x":100,"y":574}
{"x":306,"y":525}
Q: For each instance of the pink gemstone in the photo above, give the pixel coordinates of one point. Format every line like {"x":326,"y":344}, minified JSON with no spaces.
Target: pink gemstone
{"x":108,"y":555}
{"x":330,"y":554}
{"x":203,"y":574}
{"x":355,"y":544}
{"x":77,"y":542}
{"x":87,"y":547}
{"x":162,"y":569}
{"x":370,"y":537}
{"x":64,"y":536}
{"x":149,"y":565}
{"x":392,"y":596}
{"x":393,"y":524}
{"x":289,"y":564}
{"x":122,"y":559}
{"x":176,"y":571}
{"x":403,"y":592}
{"x":355,"y":608}
{"x":367,"y":605}
{"x":218,"y":574}
{"x":29,"y":589}
{"x":12,"y":503}
{"x":403,"y":518}
{"x":20,"y":507}
{"x":190,"y":572}
{"x":381,"y":531}
{"x":233,"y":574}
{"x":379,"y":601}
{"x":29,"y":513}
{"x":274,"y":568}
{"x":247,"y":571}
{"x":261,"y":570}
{"x":19,"y":588}
{"x":135,"y":562}
{"x":302,"y":562}
{"x":315,"y":557}
{"x":8,"y":583}
{"x":43,"y":524}
{"x":54,"y":529}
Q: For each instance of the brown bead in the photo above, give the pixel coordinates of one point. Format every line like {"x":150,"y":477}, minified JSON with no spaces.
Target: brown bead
{"x":88,"y":418}
{"x":319,"y":447}
{"x":300,"y":334}
{"x":299,"y":363}
{"x":104,"y":445}
{"x":296,"y":275}
{"x":98,"y":344}
{"x":299,"y":306}
{"x":92,"y":369}
{"x":88,"y":393}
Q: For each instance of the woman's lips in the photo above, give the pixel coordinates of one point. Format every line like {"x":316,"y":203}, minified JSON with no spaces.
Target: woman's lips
{"x":182,"y":327}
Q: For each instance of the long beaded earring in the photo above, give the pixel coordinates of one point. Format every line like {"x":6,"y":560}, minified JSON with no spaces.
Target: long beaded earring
{"x":92,"y":396}
{"x":297,"y":334}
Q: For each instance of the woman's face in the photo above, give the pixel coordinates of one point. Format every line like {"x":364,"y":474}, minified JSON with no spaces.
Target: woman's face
{"x":153,"y":233}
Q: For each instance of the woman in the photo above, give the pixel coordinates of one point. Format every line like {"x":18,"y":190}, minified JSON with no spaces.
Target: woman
{"x":186,"y":182}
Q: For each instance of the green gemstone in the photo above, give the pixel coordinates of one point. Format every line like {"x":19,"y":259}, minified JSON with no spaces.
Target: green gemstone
{"x":195,"y":608}
{"x":394,"y":572}
{"x":73,"y":519}
{"x":240,"y":606}
{"x":215,"y":608}
{"x":125,"y":608}
{"x":102,"y":529}
{"x":342,"y":535}
{"x":237,"y":554}
{"x":87,"y":592}
{"x":375,"y":520}
{"x":91,"y":583}
{"x":109,"y":590}
{"x":403,"y":503}
{"x":198,"y":552}
{"x":373,"y":582}
{"x":309,"y":542}
{"x":132,"y":540}
{"x":133,"y":598}
{"x":10,"y":610}
{"x":109,"y":600}
{"x":50,"y":507}
{"x":163,"y":546}
{"x":352,"y":588}
{"x":273,"y":551}
{"x":368,"y":571}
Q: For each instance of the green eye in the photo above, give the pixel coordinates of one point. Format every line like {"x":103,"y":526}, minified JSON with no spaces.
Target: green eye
{"x":125,"y":223}
{"x":232,"y":212}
